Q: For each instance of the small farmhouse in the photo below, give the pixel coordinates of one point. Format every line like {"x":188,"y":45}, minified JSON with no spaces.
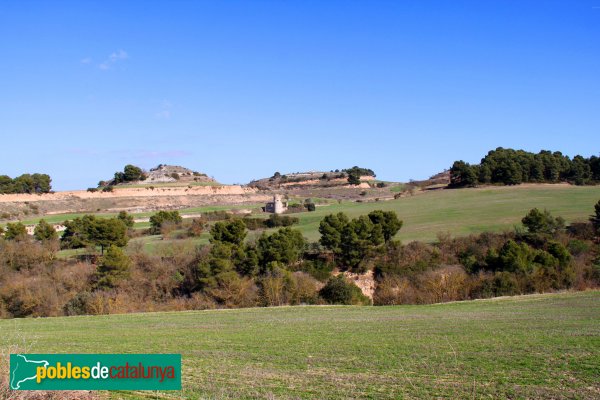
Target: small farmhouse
{"x":277,"y":206}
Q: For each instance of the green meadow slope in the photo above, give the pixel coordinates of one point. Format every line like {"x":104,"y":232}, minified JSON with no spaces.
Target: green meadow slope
{"x":466,"y":211}
{"x":458,"y":212}
{"x":537,"y":346}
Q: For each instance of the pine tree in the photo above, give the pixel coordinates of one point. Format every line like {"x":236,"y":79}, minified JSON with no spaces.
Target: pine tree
{"x":595,"y":219}
{"x":113,"y":268}
{"x":44,"y":231}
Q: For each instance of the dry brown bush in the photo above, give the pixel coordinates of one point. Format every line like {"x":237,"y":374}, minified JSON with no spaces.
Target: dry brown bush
{"x":153,"y":278}
{"x":305,"y":289}
{"x":31,"y":296}
{"x":395,"y":291}
{"x":274,"y":289}
{"x":44,"y":290}
{"x":446,"y":245}
{"x":166,"y":228}
{"x":443,"y":284}
{"x":234,"y":291}
{"x":26,"y":254}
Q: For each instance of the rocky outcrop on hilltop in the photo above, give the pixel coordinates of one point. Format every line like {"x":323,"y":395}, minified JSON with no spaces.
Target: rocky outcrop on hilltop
{"x":163,"y":173}
{"x":305,"y":179}
{"x":173,"y":173}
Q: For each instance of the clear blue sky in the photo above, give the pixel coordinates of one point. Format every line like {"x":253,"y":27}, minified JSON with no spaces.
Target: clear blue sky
{"x":240,"y":89}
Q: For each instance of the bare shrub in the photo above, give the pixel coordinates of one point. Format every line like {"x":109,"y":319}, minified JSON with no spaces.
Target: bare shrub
{"x":166,"y":228}
{"x":276,"y":288}
{"x":408,"y":261}
{"x":200,"y":301}
{"x":233,"y":291}
{"x":394,"y":291}
{"x":31,"y":296}
{"x":443,"y":284}
{"x":26,"y":254}
{"x":305,"y":289}
{"x":195,"y":227}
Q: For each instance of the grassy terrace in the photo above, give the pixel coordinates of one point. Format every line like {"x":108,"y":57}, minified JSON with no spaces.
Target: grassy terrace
{"x":459,"y":212}
{"x":538,"y":346}
{"x":466,"y":211}
{"x":58,"y":218}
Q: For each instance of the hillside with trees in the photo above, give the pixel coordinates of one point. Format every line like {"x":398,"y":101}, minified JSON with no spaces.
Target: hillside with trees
{"x":280,"y":267}
{"x":158,"y":175}
{"x":513,"y":167}
{"x":331,"y":178}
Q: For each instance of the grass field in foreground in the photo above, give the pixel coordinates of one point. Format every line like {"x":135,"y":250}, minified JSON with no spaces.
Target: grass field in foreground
{"x":537,"y":346}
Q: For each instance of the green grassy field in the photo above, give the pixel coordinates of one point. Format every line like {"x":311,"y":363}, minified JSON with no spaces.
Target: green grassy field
{"x":458,"y":212}
{"x":59,"y":218}
{"x":466,"y":211}
{"x":537,"y":346}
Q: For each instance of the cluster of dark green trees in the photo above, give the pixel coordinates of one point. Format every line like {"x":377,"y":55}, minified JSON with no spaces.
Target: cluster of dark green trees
{"x":90,"y":231}
{"x":355,"y":173}
{"x":230,"y":254}
{"x":512,"y":167}
{"x":270,"y":262}
{"x":26,"y":183}
{"x":131,"y":173}
{"x":107,"y":233}
{"x":162,"y":218}
{"x":351,"y":241}
{"x":274,"y":221}
{"x":17,"y":231}
{"x":534,"y":253}
{"x":360,"y":171}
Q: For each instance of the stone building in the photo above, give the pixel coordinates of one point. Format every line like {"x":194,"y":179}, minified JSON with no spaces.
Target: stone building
{"x":277,"y":206}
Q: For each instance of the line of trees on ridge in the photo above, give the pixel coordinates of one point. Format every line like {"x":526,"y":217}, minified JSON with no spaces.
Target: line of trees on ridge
{"x":26,"y":183}
{"x":512,"y":167}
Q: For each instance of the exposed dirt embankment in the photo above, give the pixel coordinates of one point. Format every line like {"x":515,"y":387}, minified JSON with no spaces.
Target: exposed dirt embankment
{"x":130,"y":192}
{"x":20,"y":206}
{"x":366,"y":282}
{"x":342,"y":183}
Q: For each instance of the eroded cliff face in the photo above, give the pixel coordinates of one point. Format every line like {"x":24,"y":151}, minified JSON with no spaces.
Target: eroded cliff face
{"x":366,"y":282}
{"x":132,"y":199}
{"x":131,"y":192}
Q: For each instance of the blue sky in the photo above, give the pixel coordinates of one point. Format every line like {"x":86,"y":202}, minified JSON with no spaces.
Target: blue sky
{"x":242,"y":89}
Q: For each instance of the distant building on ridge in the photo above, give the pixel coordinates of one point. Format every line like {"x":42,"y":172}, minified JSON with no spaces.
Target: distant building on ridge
{"x":277,"y":206}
